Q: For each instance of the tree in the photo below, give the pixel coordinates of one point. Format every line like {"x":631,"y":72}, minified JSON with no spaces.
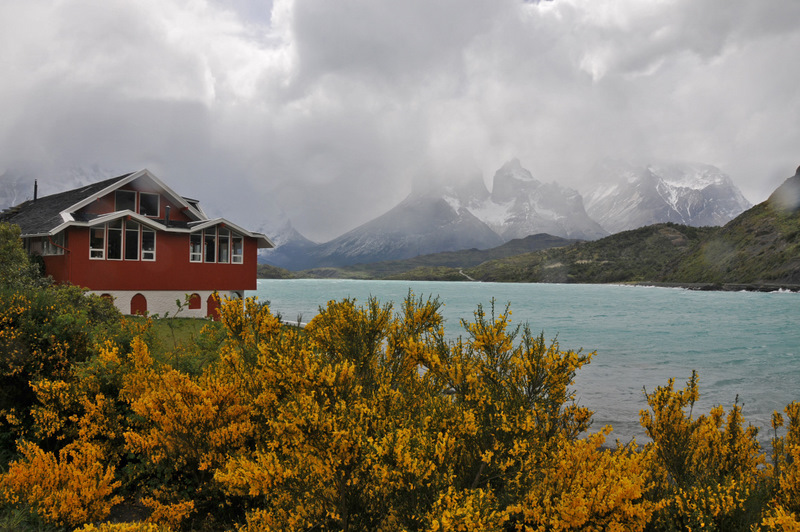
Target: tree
{"x":16,"y":268}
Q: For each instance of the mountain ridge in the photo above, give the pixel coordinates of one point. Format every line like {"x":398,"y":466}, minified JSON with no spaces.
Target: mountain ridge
{"x":446,"y":217}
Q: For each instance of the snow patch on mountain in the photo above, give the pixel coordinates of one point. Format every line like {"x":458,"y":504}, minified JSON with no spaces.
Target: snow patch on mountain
{"x":520,"y":205}
{"x":627,"y":196}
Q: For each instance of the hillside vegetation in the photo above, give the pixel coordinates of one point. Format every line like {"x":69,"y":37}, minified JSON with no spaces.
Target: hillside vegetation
{"x":761,"y":246}
{"x":637,"y":255}
{"x":439,"y":266}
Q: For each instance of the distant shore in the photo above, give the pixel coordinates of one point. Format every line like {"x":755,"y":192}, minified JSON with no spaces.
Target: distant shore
{"x":727,"y":287}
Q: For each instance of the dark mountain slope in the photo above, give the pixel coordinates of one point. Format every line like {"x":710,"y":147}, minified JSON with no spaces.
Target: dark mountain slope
{"x":419,"y":225}
{"x":631,"y":256}
{"x":425,"y":264}
{"x":762,"y":245}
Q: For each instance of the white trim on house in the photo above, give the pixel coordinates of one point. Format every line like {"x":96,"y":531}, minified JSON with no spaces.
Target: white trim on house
{"x":195,"y":227}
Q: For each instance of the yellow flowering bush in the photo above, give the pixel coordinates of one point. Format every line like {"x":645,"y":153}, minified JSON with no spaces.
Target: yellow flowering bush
{"x":45,"y":334}
{"x":709,"y":471}
{"x":370,"y":419}
{"x":70,"y":489}
{"x":784,"y":511}
{"x":584,"y":486}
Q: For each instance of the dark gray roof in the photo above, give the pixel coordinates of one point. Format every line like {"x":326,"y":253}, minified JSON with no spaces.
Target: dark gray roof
{"x":42,"y":215}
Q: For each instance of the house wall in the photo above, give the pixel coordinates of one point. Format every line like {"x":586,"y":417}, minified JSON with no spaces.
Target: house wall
{"x":170,"y":271}
{"x":163,"y":301}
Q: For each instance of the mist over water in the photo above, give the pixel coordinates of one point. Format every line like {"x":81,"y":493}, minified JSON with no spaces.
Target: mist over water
{"x":740,"y":343}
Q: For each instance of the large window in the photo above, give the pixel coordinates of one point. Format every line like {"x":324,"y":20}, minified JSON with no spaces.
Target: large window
{"x":148,"y":244}
{"x":210,"y":241}
{"x":223,"y":245}
{"x":114,"y":230}
{"x":131,"y":240}
{"x":196,"y":248}
{"x":97,"y":242}
{"x":218,"y":245}
{"x":120,"y":240}
{"x":148,"y":204}
{"x":145,"y":203}
{"x":125,"y":199}
{"x":46,"y":245}
{"x":237,"y":256}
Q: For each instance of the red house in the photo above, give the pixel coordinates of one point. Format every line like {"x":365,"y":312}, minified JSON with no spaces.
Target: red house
{"x":132,"y":238}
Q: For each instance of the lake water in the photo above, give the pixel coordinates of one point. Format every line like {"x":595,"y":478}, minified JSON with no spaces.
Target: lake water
{"x":740,"y":343}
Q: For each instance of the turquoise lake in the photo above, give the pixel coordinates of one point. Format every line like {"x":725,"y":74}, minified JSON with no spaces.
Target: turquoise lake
{"x":740,"y":343}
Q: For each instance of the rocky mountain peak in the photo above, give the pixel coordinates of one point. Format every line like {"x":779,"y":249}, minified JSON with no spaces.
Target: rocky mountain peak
{"x":627,"y":196}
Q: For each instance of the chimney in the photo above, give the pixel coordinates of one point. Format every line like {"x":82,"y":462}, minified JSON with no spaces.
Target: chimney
{"x":35,"y":189}
{"x":166,"y":216}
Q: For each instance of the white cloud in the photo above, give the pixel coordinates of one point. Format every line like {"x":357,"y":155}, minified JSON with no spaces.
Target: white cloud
{"x":331,"y":110}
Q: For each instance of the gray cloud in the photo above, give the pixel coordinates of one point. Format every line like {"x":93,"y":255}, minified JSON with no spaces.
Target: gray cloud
{"x":329,"y":112}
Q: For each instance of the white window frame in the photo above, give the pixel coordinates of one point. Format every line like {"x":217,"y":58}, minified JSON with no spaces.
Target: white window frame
{"x":196,"y":256}
{"x":101,"y":251}
{"x":147,"y":255}
{"x":126,"y":233}
{"x":53,"y":245}
{"x":135,"y":199}
{"x":237,"y":258}
{"x":158,"y":204}
{"x":210,"y":235}
{"x":223,"y":252}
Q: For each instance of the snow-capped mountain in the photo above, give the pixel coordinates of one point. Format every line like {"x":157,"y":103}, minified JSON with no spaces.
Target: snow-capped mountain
{"x":519,"y":205}
{"x":292,"y":250}
{"x":448,"y":218}
{"x":627,"y":196}
{"x":419,"y":225}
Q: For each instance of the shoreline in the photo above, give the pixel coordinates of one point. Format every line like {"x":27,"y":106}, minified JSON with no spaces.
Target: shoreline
{"x":726,"y":287}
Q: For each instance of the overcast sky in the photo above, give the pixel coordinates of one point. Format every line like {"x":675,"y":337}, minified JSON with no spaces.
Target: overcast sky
{"x":330,"y":110}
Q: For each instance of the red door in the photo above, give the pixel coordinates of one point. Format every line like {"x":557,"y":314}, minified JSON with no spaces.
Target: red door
{"x":212,"y":307}
{"x":138,"y":305}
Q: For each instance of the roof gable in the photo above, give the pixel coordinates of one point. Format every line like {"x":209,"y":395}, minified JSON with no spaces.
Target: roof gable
{"x":47,"y":215}
{"x":40,"y":216}
{"x":142,"y":175}
{"x":50,"y":214}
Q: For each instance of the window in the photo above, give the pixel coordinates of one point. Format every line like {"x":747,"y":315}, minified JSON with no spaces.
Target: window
{"x":148,"y":244}
{"x":131,"y":240}
{"x":223,"y":245}
{"x":196,"y":248}
{"x":97,"y":242}
{"x":218,"y":245}
{"x":238,"y":249}
{"x":53,"y":245}
{"x":114,"y":249}
{"x":34,"y":246}
{"x":148,"y":204}
{"x":125,"y":199}
{"x":122,"y":239}
{"x":210,"y":238}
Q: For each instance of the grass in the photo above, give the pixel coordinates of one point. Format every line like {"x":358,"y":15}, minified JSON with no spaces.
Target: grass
{"x":175,"y":332}
{"x":178,"y":342}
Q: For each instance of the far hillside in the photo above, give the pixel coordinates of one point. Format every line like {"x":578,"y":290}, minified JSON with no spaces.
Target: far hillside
{"x":760,"y":246}
{"x":639,"y":255}
{"x":449,"y":263}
